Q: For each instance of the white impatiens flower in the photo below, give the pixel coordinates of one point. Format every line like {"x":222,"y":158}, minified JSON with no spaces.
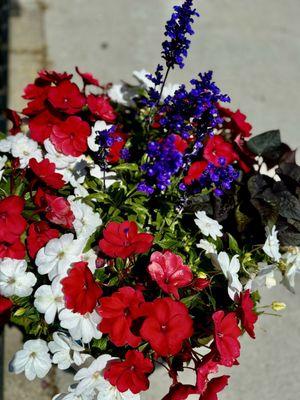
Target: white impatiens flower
{"x":271,"y":246}
{"x":208,"y":247}
{"x":3,"y":160}
{"x":24,"y":148}
{"x":266,"y":276}
{"x":72,"y":394}
{"x":14,"y":280}
{"x":58,"y":255}
{"x":33,"y":359}
{"x":90,"y":257}
{"x":5,"y":144}
{"x":110,"y":392}
{"x":92,"y":377}
{"x":291,"y":259}
{"x":230,"y":269}
{"x":66,"y":351}
{"x":75,"y":174}
{"x":207,"y":225}
{"x":81,"y":327}
{"x":80,"y":191}
{"x":49,"y":300}
{"x":86,"y":220}
{"x":116,"y":94}
{"x":92,"y":139}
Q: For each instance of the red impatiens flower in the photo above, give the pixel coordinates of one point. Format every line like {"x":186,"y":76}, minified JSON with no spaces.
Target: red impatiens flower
{"x":200,"y":284}
{"x":235,"y":121}
{"x":180,"y":144}
{"x":195,"y":171}
{"x":45,"y":170}
{"x":14,"y":117}
{"x":12,"y":224}
{"x":246,"y":313}
{"x":101,"y":108}
{"x":39,"y":234}
{"x":66,"y":97}
{"x":168,"y":270}
{"x":208,"y":366}
{"x":219,"y":152}
{"x":80,"y":289}
{"x":70,"y":136}
{"x":123,"y":240}
{"x":14,"y":249}
{"x":47,"y":77}
{"x":236,"y":128}
{"x":130,"y":374}
{"x":115,"y":150}
{"x":118,"y":312}
{"x":88,"y":78}
{"x":215,"y":386}
{"x":166,"y":326}
{"x":5,"y":306}
{"x":58,"y":209}
{"x":41,"y":126}
{"x":38,"y":95}
{"x":226,"y":333}
{"x":180,"y":392}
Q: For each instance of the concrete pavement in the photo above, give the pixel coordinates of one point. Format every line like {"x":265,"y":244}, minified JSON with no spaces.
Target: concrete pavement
{"x":254,"y":49}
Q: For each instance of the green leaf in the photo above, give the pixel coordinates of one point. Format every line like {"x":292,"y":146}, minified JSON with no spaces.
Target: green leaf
{"x":233,"y":244}
{"x":205,"y":341}
{"x":127,"y":167}
{"x":100,"y":344}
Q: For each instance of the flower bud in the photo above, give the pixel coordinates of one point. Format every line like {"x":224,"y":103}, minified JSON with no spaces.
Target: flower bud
{"x":278,"y":306}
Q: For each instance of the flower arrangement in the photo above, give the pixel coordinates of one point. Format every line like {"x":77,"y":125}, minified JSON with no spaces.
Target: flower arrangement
{"x":137,"y":224}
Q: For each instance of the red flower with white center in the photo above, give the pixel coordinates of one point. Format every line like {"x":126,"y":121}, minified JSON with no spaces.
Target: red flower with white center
{"x":66,"y":97}
{"x":41,"y":126}
{"x":235,"y":121}
{"x":14,"y":249}
{"x":39,"y":234}
{"x":168,"y":270}
{"x":180,"y":392}
{"x":219,"y":152}
{"x":12,"y":224}
{"x":167,"y":325}
{"x":81,"y":290}
{"x":226,"y":333}
{"x":115,"y":150}
{"x":118,"y":312}
{"x":215,"y":386}
{"x":14,"y":117}
{"x":195,"y":171}
{"x":130,"y":374}
{"x":246,"y":313}
{"x":180,"y":144}
{"x":88,"y":78}
{"x":101,"y":108}
{"x":123,"y":240}
{"x":58,"y":209}
{"x":70,"y":136}
{"x":45,"y":170}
